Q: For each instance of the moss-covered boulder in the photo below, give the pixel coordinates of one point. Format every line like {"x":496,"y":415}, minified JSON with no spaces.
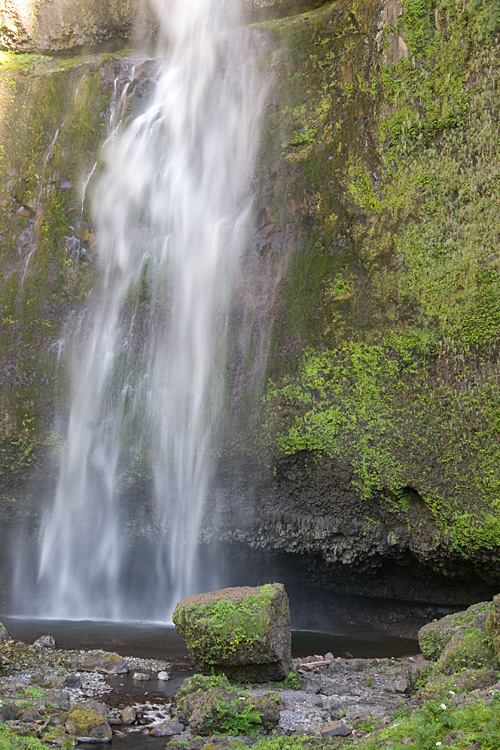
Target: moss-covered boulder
{"x":211,"y":705}
{"x":468,"y":649}
{"x":434,"y":637}
{"x":493,"y":625}
{"x":88,"y":726}
{"x":244,"y":632}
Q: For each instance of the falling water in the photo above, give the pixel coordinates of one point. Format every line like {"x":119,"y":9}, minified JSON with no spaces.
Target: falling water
{"x":172,"y":211}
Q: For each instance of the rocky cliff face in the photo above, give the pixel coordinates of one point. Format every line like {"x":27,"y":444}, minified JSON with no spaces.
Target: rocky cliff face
{"x":371,"y":294}
{"x":55,"y":25}
{"x":378,"y":217}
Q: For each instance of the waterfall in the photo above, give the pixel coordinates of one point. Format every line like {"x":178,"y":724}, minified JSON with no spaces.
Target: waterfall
{"x":172,"y":210}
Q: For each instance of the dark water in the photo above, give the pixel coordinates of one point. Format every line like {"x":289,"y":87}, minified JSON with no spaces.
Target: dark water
{"x":158,"y":641}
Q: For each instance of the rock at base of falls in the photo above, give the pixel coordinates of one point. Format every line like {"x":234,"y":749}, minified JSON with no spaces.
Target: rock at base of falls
{"x":105,"y":663}
{"x":243,"y":632}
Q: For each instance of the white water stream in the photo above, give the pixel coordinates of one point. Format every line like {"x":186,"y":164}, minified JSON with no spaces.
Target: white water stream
{"x":172,"y":211}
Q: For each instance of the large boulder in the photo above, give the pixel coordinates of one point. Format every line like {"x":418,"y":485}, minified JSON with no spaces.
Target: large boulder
{"x":434,"y":637}
{"x":244,"y":632}
{"x":104,"y":662}
{"x":88,"y":726}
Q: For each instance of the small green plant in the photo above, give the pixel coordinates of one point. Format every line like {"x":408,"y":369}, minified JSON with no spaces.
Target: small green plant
{"x":235,"y":721}
{"x":369,"y":724}
{"x":293,"y":681}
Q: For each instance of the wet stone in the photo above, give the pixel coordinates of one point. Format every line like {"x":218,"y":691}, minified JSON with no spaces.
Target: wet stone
{"x":31,"y":714}
{"x":128,"y":715}
{"x":167,"y":728}
{"x":105,"y":663}
{"x":45,"y":641}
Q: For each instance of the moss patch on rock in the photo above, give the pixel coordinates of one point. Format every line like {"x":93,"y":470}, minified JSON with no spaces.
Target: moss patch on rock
{"x":470,"y":649}
{"x":54,"y":116}
{"x":435,"y":636}
{"x":385,"y":354}
{"x":87,"y":725}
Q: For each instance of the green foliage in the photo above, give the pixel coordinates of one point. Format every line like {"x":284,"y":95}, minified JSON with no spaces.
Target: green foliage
{"x":441,"y":687}
{"x":10,"y":741}
{"x":293,"y":681}
{"x":428,"y":727}
{"x":296,"y":743}
{"x":235,"y":720}
{"x":199,"y":683}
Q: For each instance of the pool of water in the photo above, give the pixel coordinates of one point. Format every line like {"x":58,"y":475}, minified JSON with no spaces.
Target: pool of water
{"x":159,"y":641}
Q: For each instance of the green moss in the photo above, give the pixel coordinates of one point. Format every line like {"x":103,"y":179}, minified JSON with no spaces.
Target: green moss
{"x":217,"y":630}
{"x":470,"y":649}
{"x":198,"y":683}
{"x":434,"y":637}
{"x":51,"y":125}
{"x":393,"y":291}
{"x":83,"y":721}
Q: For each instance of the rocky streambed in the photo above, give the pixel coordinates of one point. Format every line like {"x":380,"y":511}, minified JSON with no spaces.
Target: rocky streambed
{"x":79,"y":696}
{"x":69,"y":697}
